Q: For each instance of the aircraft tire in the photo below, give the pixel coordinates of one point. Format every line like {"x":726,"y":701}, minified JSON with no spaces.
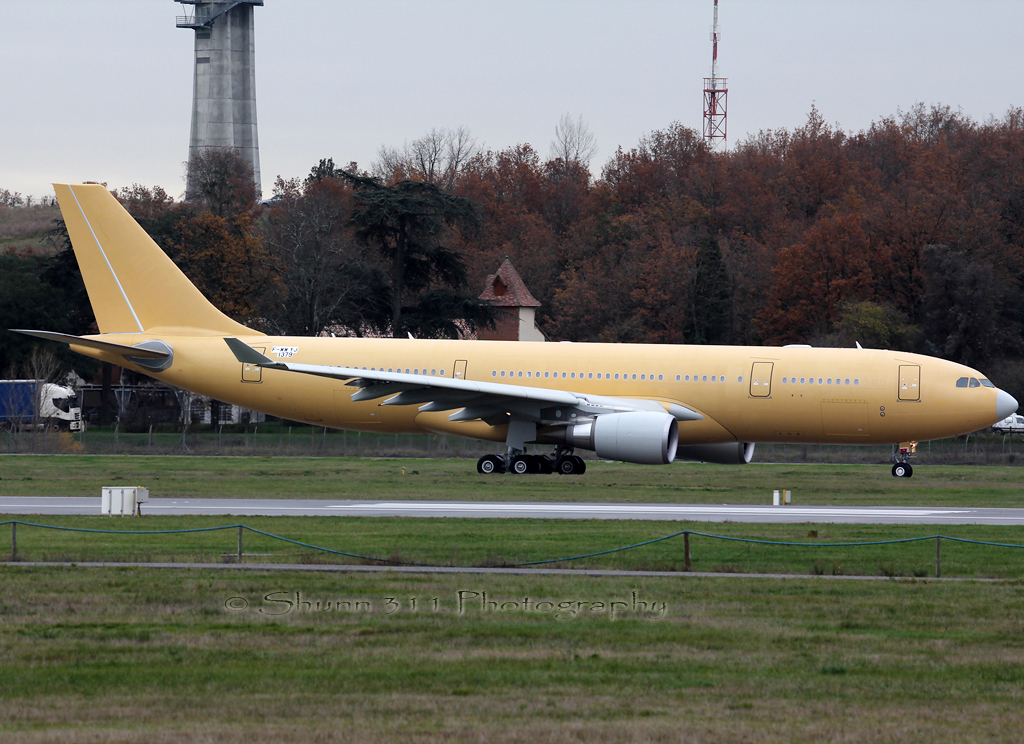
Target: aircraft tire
{"x":566,"y":466}
{"x":581,"y":465}
{"x":902,"y":470}
{"x":521,"y":465}
{"x":488,"y":465}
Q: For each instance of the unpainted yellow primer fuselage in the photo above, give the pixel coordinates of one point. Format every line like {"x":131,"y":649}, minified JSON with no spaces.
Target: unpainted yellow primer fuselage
{"x":801,"y":395}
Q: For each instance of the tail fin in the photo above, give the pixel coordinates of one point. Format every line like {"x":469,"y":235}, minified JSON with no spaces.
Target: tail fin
{"x":133,"y":286}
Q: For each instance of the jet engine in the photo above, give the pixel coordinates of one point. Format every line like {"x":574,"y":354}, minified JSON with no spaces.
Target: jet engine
{"x":730,"y":453}
{"x":645,"y":437}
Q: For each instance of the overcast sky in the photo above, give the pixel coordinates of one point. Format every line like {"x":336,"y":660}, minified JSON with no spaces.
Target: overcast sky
{"x":102,"y":90}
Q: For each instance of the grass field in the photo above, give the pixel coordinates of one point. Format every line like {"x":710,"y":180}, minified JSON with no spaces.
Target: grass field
{"x":439,"y":479}
{"x":197,"y":655}
{"x":129,"y":655}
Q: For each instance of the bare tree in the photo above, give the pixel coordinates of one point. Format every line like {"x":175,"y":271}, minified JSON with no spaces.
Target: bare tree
{"x":221,"y":181}
{"x":573,"y":142}
{"x":325,"y":281}
{"x":438,"y":157}
{"x":42,"y":366}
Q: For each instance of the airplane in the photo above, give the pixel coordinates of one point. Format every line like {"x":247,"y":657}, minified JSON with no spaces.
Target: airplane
{"x":637,"y":403}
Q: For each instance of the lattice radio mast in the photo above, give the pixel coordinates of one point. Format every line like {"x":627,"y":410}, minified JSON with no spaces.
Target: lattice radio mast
{"x":716,"y":95}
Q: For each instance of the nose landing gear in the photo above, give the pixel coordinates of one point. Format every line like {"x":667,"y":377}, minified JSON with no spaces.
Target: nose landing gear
{"x":902,"y":468}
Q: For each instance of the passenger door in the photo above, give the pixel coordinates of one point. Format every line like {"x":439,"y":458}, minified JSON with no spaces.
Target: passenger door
{"x":910,"y":382}
{"x":761,"y":379}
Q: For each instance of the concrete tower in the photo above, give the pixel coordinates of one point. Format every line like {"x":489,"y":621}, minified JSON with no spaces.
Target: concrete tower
{"x":224,"y":87}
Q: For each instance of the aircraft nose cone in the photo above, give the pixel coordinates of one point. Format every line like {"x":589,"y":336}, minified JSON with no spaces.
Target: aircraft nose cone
{"x":1005,"y":405}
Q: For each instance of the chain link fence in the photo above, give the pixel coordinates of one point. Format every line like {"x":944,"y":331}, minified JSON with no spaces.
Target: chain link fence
{"x":278,"y":439}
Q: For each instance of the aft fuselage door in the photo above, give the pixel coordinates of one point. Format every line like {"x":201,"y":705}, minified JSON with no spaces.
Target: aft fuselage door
{"x":910,"y":382}
{"x":761,"y":379}
{"x":250,"y":372}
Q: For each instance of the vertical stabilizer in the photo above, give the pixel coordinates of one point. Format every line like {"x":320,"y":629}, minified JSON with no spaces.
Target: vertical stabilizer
{"x":133,"y":286}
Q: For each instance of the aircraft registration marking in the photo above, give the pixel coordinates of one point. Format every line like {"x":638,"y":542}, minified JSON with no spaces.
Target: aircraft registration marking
{"x":284,"y":352}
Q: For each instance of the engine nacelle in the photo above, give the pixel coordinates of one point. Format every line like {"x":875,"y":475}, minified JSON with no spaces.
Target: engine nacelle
{"x":645,"y":437}
{"x":730,"y":453}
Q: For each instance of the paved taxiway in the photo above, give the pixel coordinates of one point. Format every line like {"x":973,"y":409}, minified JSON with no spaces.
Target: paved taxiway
{"x":39,"y":505}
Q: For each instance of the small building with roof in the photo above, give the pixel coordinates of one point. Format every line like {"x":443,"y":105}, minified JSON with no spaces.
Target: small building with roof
{"x":516,"y":307}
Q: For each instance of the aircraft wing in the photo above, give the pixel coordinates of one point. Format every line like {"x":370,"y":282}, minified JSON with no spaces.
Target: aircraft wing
{"x":493,"y":402}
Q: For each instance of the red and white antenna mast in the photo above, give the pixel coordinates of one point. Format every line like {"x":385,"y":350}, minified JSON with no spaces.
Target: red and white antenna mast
{"x":716,"y":95}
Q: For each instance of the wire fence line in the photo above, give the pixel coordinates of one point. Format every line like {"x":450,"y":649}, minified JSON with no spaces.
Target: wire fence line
{"x":278,"y":439}
{"x":685,"y":534}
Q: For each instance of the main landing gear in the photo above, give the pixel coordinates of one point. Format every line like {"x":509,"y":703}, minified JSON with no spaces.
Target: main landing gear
{"x":902,"y":468}
{"x":561,"y":461}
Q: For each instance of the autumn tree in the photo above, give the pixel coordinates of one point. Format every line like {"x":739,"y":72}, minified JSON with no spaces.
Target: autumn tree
{"x":225,"y":259}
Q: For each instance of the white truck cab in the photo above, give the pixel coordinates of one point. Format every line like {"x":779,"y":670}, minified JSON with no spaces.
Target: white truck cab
{"x":1012,"y":424}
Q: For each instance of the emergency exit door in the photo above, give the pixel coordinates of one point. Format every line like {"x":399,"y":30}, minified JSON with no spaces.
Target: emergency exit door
{"x":761,"y":379}
{"x":460,"y":369}
{"x":910,"y":382}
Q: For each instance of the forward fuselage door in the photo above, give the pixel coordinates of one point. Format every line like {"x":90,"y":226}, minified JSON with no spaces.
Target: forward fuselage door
{"x":761,"y":379}
{"x":910,"y":382}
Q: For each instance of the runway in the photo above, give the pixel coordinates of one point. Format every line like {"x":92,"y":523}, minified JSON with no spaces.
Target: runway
{"x":43,"y":506}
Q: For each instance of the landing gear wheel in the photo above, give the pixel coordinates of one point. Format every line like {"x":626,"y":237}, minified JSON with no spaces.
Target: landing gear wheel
{"x":542,"y":465}
{"x":489,"y":464}
{"x":521,"y":465}
{"x":571,"y":465}
{"x":902,"y":470}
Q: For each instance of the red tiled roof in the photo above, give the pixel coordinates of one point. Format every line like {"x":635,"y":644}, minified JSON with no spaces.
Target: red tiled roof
{"x":506,"y":289}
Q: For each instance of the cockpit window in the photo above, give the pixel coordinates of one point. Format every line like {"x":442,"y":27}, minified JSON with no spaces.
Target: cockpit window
{"x":962,"y":382}
{"x":986,"y":383}
{"x":975,"y":383}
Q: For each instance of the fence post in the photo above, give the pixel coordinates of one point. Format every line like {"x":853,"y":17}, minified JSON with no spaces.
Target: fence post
{"x":686,"y":551}
{"x":239,"y":543}
{"x":14,"y":541}
{"x":938,"y":557}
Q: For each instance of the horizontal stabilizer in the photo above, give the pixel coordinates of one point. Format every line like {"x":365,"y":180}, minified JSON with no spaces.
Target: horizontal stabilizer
{"x":248,"y":355}
{"x":92,"y":343}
